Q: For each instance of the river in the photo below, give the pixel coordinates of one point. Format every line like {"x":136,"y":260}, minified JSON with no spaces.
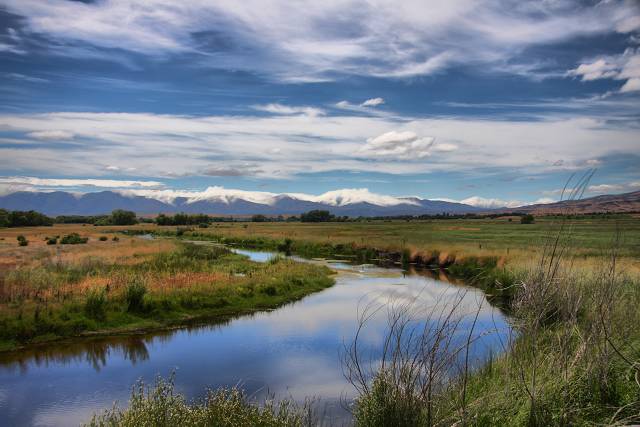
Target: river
{"x":294,"y":351}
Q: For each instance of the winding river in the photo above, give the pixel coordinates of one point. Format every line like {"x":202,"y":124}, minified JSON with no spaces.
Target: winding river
{"x":294,"y":351}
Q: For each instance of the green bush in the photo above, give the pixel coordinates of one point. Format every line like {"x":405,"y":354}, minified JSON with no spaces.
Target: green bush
{"x":162,"y":406}
{"x":73,"y":239}
{"x":134,"y":295}
{"x":22,"y":241}
{"x":52,"y":240}
{"x":527,"y":219}
{"x":95,"y":304}
{"x":103,"y":238}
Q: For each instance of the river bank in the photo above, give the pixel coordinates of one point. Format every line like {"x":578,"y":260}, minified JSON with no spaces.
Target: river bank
{"x":192,"y":283}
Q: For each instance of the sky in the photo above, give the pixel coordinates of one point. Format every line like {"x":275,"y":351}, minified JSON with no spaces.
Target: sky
{"x":490,"y":102}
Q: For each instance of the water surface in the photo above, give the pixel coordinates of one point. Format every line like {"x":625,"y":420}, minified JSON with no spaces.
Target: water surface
{"x":294,"y":351}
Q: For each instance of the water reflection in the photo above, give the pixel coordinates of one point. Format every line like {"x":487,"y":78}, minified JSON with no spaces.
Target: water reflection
{"x":293,"y":351}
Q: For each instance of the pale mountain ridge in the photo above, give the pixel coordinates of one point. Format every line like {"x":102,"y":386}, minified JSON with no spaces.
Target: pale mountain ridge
{"x":341,"y":197}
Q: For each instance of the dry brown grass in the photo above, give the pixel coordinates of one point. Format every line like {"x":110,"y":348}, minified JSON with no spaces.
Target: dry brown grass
{"x":128,"y":250}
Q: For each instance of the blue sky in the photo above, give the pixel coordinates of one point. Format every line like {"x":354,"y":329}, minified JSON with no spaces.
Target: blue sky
{"x":491,"y":102}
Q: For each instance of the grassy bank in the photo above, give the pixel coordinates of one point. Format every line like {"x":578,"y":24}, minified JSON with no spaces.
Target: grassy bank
{"x":485,"y":272}
{"x":511,"y":243}
{"x":50,"y":299}
{"x":574,"y":358}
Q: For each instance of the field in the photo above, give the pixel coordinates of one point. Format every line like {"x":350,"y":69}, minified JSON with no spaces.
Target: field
{"x":105,"y":286}
{"x":515,"y":244}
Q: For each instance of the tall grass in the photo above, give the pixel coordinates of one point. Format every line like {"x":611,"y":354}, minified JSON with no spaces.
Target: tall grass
{"x":575,"y":358}
{"x":160,"y":406}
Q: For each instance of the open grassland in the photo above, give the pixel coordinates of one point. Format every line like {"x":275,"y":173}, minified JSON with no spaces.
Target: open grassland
{"x":509,"y":241}
{"x":48,"y":292}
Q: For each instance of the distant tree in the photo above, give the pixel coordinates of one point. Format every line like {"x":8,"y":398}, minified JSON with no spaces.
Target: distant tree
{"x":527,"y":219}
{"x":122,"y":217}
{"x":163,"y":219}
{"x":259,"y":218}
{"x":4,"y":218}
{"x":316,"y":216}
{"x":28,"y":219}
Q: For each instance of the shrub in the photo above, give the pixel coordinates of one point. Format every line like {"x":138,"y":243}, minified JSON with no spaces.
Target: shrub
{"x":268,"y":290}
{"x":163,"y":406}
{"x":95,"y":304}
{"x":115,"y":238}
{"x":73,"y":239}
{"x":286,"y":246}
{"x":22,"y":241}
{"x":52,"y":240}
{"x":527,"y":219}
{"x":134,"y":295}
{"x":103,"y":238}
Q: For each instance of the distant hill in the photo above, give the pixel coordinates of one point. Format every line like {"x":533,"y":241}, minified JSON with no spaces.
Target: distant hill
{"x":627,"y":202}
{"x":65,"y":203}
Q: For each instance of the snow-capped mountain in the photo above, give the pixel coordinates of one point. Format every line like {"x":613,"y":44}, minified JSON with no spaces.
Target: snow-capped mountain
{"x":222,"y":201}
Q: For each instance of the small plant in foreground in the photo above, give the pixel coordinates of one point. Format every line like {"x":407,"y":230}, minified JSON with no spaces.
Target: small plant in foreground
{"x":103,"y":238}
{"x":22,"y":241}
{"x":162,"y":406}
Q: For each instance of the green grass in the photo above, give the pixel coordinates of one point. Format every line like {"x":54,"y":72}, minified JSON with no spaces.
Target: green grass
{"x":194,"y":282}
{"x":160,"y":406}
{"x":512,"y":242}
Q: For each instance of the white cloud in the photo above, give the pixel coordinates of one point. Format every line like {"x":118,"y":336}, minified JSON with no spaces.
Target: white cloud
{"x":289,"y":110}
{"x":490,"y":203}
{"x":596,"y":189}
{"x":444,"y":147}
{"x":632,"y":85}
{"x":100,"y":183}
{"x":605,"y":188}
{"x":625,"y":66}
{"x":544,"y":201}
{"x":51,"y":134}
{"x":399,"y":145}
{"x":293,"y":42}
{"x":281,"y":146}
{"x":373,"y":102}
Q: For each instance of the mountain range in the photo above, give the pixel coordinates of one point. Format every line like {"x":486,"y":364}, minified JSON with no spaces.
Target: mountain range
{"x":96,"y":203}
{"x":217,"y":201}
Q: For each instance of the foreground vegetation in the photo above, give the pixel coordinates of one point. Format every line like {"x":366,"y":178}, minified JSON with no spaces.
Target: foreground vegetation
{"x":53,"y":298}
{"x":161,"y":406}
{"x":574,"y":360}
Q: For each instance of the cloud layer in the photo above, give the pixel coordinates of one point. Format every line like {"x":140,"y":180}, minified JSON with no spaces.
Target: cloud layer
{"x":281,"y":146}
{"x":305,"y":42}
